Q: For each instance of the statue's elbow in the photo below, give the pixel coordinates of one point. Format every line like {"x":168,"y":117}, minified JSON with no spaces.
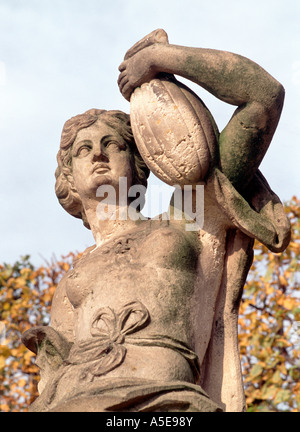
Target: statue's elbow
{"x":277,"y":97}
{"x":271,"y":104}
{"x":280,"y":94}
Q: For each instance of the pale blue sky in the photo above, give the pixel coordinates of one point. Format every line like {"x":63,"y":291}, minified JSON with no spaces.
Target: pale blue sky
{"x":59,"y":58}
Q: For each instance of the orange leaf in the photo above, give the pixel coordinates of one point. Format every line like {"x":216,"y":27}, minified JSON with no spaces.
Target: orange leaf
{"x":21,"y":382}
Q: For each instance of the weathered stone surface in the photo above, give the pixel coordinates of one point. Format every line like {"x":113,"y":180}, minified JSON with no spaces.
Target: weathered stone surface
{"x":168,"y":120}
{"x":147,"y":318}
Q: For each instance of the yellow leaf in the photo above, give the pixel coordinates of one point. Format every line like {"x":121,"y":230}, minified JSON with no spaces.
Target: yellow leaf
{"x":4,"y":407}
{"x":288,"y":304}
{"x":269,"y":392}
{"x":27,"y":357}
{"x":47,"y":297}
{"x":283,"y":280}
{"x":295,"y":246}
{"x":19,"y":282}
{"x":269,"y":289}
{"x":282,"y":396}
{"x":25,"y":272}
{"x":256,"y":370}
{"x":52,"y":289}
{"x":66,"y":266}
{"x":2,"y":362}
{"x":276,"y":378}
{"x":21,"y":382}
{"x":282,"y":368}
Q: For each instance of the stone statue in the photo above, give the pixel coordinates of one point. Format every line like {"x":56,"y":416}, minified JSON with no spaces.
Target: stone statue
{"x":146,"y":320}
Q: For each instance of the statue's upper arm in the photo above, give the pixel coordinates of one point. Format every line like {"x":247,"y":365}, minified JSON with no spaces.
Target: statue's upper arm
{"x":62,"y":312}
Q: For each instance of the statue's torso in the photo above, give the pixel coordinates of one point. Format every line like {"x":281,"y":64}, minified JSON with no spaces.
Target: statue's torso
{"x":156,"y":265}
{"x":150,"y":291}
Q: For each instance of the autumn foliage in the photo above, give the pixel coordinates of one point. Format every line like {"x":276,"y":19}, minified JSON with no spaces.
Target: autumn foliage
{"x":25,"y":300}
{"x":269,"y":325}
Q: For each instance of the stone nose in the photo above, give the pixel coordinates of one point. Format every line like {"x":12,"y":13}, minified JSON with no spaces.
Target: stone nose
{"x":99,"y":154}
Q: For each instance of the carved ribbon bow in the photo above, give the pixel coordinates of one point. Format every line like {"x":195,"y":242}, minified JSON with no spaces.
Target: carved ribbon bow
{"x":105,"y":350}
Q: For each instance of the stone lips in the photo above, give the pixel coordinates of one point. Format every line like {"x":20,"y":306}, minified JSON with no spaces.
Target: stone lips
{"x":174,"y":131}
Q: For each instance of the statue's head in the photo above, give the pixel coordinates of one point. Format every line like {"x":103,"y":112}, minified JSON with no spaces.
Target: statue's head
{"x":76,"y":129}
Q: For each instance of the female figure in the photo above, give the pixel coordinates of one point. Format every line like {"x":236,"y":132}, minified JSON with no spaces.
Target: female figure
{"x":147,"y":318}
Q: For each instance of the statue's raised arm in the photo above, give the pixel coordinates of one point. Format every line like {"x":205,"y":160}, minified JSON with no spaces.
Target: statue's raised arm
{"x":240,"y":147}
{"x":231,"y":78}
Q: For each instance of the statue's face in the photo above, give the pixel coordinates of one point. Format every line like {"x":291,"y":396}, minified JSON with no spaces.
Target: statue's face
{"x":99,"y":156}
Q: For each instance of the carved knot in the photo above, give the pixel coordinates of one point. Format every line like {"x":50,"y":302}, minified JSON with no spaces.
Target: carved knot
{"x":105,"y":350}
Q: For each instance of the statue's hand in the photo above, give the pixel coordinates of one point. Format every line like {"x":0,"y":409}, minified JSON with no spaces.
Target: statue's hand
{"x":136,"y":70}
{"x":139,"y":62}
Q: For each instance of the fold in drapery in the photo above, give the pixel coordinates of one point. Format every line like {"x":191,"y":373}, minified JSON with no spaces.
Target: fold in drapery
{"x":260,"y":216}
{"x":105,"y":351}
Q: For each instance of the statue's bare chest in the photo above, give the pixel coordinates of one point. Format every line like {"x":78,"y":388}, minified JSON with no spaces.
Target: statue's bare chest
{"x":136,"y":261}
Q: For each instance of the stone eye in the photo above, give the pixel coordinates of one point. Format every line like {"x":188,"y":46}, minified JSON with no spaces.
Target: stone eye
{"x":83,"y":150}
{"x":115,"y":145}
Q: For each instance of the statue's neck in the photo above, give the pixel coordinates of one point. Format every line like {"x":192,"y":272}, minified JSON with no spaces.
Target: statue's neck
{"x":107,"y":222}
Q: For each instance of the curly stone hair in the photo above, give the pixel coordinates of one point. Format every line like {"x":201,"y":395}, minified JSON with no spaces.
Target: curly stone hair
{"x":64,"y":187}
